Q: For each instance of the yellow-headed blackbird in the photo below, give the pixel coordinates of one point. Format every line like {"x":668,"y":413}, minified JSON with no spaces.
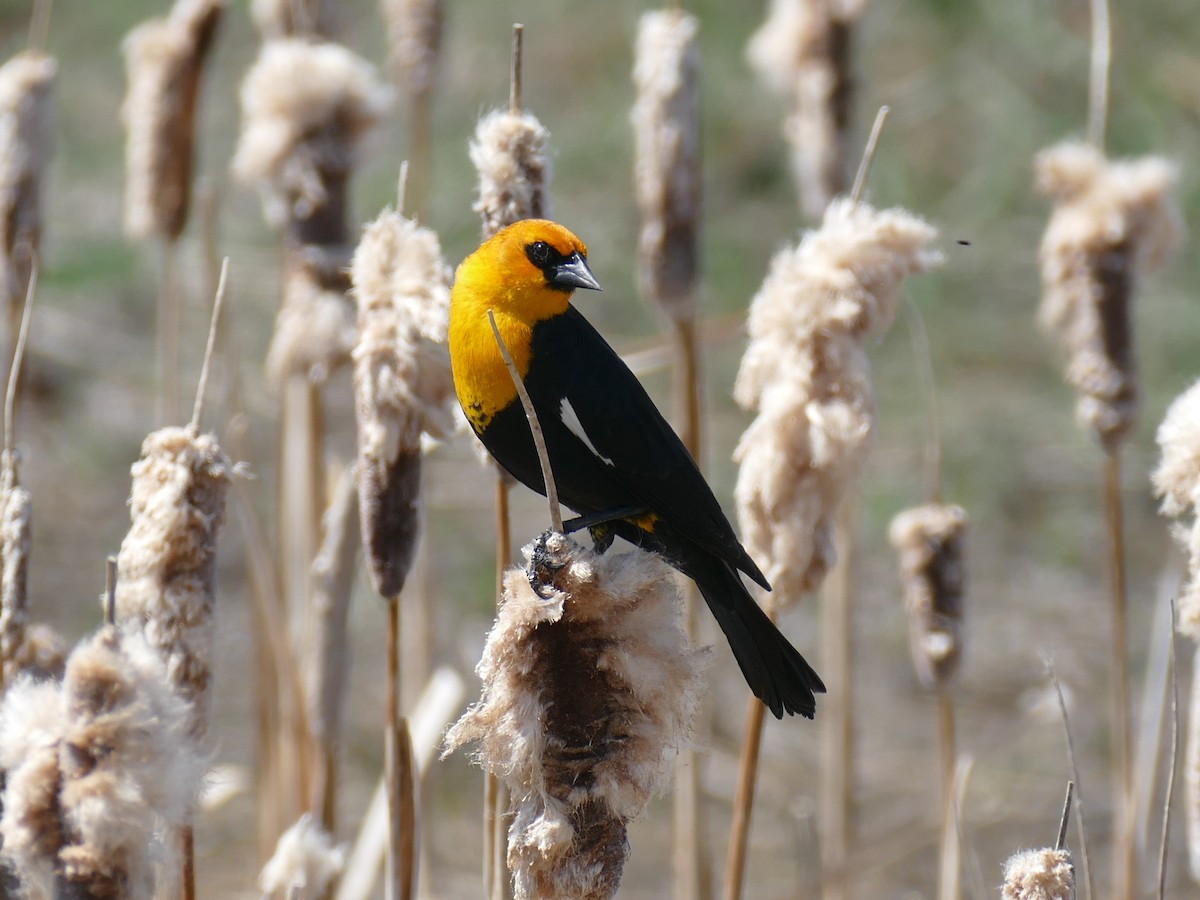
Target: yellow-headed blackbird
{"x":615,"y":459}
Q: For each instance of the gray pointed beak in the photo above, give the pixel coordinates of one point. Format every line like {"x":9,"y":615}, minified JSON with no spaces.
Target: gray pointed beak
{"x":571,"y":273}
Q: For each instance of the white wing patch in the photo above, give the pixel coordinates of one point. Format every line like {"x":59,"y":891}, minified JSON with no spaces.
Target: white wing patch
{"x":571,"y":420}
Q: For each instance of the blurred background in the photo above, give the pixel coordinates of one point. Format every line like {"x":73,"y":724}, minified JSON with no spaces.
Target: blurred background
{"x":976,"y":88}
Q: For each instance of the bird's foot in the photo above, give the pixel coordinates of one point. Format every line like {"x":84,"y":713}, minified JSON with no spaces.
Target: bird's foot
{"x":545,"y":562}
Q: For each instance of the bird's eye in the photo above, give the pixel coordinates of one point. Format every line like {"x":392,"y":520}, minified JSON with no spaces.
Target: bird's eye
{"x":540,"y":254}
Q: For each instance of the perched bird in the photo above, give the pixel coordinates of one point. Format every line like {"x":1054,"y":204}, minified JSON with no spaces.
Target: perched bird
{"x":615,"y":460}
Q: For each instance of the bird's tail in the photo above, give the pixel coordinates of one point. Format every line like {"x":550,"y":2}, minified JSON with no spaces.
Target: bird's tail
{"x":776,"y":672}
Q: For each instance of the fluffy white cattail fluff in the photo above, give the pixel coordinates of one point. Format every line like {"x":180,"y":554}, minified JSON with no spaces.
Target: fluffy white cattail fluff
{"x":402,"y":383}
{"x":314,"y":328}
{"x":98,"y":769}
{"x":802,"y":52}
{"x":414,"y":29}
{"x":1039,"y":875}
{"x":32,"y":722}
{"x":510,"y":152}
{"x":295,"y":18}
{"x":587,"y":696}
{"x":1177,"y":482}
{"x":130,"y":767}
{"x":304,"y":864}
{"x":307,"y":109}
{"x":1111,"y":220}
{"x":931,"y":542}
{"x":16,"y":508}
{"x":26,"y":140}
{"x":167,"y":564}
{"x":666,"y":131}
{"x":164,"y":59}
{"x":806,"y":374}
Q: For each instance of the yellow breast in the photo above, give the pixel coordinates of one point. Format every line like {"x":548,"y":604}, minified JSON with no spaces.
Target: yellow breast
{"x":481,"y":380}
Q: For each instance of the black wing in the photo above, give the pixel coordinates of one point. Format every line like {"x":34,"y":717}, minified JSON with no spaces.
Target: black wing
{"x":631,"y":444}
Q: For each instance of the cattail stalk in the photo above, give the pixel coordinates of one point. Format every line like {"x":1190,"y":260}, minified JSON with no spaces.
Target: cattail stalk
{"x":403,"y":386}
{"x":26,"y":143}
{"x":588,"y":691}
{"x":806,"y":374}
{"x":414,"y":30}
{"x":803,"y":51}
{"x":510,"y":152}
{"x":317,"y":19}
{"x":666,"y":125}
{"x":1111,"y":220}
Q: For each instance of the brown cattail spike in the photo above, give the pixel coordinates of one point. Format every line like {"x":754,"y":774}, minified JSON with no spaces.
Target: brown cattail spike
{"x":803,"y":52}
{"x":511,"y":154}
{"x":931,"y":542}
{"x":666,"y":122}
{"x":164,"y":60}
{"x":586,"y":697}
{"x":1039,"y":875}
{"x":806,"y":373}
{"x":402,"y":383}
{"x":1111,"y":220}
{"x":26,"y":142}
{"x":167,"y":562}
{"x":307,"y":109}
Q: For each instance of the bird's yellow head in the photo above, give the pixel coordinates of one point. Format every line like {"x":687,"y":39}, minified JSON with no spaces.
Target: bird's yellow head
{"x":527,"y":271}
{"x":524,"y":274}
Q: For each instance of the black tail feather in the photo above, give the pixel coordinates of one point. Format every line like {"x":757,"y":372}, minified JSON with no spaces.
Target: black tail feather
{"x":776,"y":672}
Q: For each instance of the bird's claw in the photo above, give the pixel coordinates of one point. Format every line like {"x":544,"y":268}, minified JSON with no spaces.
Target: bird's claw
{"x":545,"y":563}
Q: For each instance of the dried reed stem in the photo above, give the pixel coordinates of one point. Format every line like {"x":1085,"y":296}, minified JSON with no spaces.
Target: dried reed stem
{"x":1101,"y":59}
{"x":743,"y":802}
{"x":1125,"y":856}
{"x":1172,"y":757}
{"x":837,"y":736}
{"x":588,"y":691}
{"x":333,"y":572}
{"x":391,"y":752}
{"x":950,"y":847}
{"x":1073,"y":762}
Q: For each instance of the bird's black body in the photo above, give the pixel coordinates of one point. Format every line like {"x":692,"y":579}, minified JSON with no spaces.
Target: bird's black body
{"x":629,"y":457}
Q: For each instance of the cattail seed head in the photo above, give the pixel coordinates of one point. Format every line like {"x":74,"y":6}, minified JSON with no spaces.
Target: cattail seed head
{"x":666,"y":123}
{"x":32,"y":720}
{"x":167,"y":562}
{"x":129,"y":764}
{"x":802,"y":52}
{"x":304,"y":864}
{"x":26,"y":142}
{"x":402,"y":383}
{"x":1039,"y":875}
{"x":414,"y":30}
{"x":1111,"y":220}
{"x":587,"y":696}
{"x":805,"y":372}
{"x":307,"y":109}
{"x":931,"y":542}
{"x":164,"y":59}
{"x":511,"y":154}
{"x":314,"y":328}
{"x":1177,"y":482}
